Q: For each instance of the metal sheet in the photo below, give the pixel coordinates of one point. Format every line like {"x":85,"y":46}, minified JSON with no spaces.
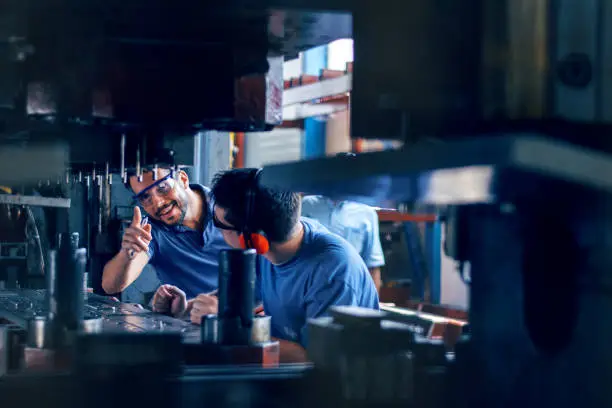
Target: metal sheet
{"x":452,"y":173}
{"x":28,"y":309}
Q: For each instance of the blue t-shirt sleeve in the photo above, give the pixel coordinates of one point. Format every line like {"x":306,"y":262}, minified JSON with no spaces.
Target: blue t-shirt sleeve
{"x":334,"y":292}
{"x":373,"y":255}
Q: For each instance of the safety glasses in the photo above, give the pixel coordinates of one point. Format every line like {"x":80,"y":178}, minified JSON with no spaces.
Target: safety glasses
{"x":161,"y":187}
{"x":218,"y":224}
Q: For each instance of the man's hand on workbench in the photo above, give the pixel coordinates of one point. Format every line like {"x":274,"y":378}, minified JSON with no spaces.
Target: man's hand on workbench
{"x":136,"y":237}
{"x":171,"y":299}
{"x":202,"y":305}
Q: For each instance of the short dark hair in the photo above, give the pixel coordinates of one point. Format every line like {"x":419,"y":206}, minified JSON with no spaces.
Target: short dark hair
{"x":275,"y":212}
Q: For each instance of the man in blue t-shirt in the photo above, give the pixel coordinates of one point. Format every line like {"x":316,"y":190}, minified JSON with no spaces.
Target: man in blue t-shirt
{"x":178,"y":239}
{"x":307,"y":268}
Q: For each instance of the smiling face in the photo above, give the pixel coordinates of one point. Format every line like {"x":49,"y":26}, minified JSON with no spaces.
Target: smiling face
{"x":164,"y":199}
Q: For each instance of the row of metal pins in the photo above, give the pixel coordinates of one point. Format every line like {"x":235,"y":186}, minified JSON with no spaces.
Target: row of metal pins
{"x":108,"y":177}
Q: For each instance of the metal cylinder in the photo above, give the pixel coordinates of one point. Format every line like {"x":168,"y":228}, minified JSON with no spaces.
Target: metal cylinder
{"x":85,"y":286}
{"x":209,"y":329}
{"x":66,"y":270}
{"x":262,"y":326}
{"x":236,"y":295}
{"x":38,"y":333}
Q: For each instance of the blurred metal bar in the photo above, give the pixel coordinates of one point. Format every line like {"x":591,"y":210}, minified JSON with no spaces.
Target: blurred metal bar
{"x":451,"y":173}
{"x":35,"y":201}
{"x":305,"y":110}
{"x":318,"y":90}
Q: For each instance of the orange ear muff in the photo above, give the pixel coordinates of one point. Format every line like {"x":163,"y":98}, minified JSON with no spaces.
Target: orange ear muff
{"x":260,"y":243}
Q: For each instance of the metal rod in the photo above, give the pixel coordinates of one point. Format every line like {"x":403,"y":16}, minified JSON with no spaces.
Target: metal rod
{"x":138,"y":169}
{"x":107,"y":175}
{"x":123,"y":173}
{"x":88,"y":199}
{"x":100,"y":195}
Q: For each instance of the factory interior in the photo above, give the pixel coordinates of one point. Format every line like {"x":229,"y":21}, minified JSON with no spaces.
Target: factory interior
{"x":439,"y":170}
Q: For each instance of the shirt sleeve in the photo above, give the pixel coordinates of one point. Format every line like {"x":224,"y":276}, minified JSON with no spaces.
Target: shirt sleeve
{"x":373,"y":255}
{"x":151,"y":251}
{"x":335,"y":292}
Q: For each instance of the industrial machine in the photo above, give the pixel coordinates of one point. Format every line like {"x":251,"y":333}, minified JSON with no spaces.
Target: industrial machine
{"x":504,"y":109}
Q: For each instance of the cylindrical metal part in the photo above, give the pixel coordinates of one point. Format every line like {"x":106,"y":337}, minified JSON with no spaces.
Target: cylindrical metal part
{"x":85,"y":286}
{"x":38,"y":333}
{"x":261,"y":332}
{"x":65,"y":287}
{"x":100,"y":204}
{"x":236,"y":295}
{"x":74,"y":240}
{"x":209,"y":329}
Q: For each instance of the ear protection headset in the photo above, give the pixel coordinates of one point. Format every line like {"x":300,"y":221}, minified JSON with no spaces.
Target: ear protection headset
{"x":256,"y":240}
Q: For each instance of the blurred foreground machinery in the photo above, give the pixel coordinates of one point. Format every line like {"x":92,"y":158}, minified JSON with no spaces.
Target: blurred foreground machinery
{"x":505,"y":110}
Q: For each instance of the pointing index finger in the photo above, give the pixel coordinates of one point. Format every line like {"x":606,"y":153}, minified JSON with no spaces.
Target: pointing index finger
{"x":137,"y":216}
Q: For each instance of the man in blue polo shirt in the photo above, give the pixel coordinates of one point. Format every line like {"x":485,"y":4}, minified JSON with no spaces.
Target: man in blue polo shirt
{"x":306,"y":270}
{"x":355,"y":222}
{"x":178,"y":238}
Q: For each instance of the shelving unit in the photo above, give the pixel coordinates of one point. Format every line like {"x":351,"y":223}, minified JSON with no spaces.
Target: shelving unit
{"x":310,"y":95}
